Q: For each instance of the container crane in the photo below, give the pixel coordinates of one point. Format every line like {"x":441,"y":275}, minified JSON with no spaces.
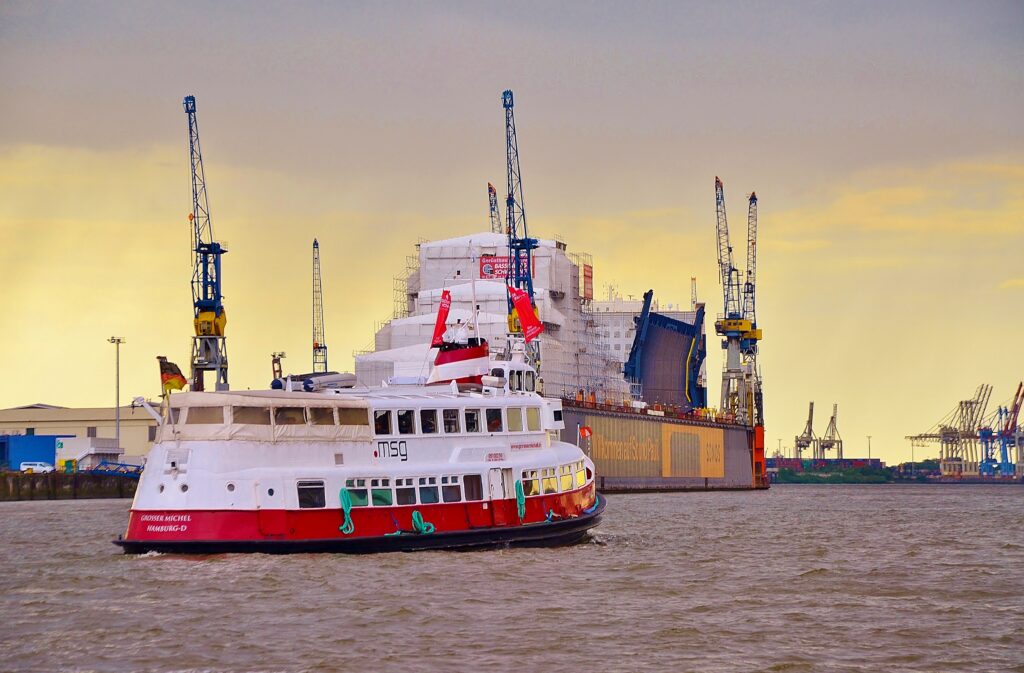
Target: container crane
{"x":492,"y":200}
{"x":807,"y":440}
{"x":1009,"y":435}
{"x":520,"y":245}
{"x":319,"y":346}
{"x":831,"y":439}
{"x":209,"y":345}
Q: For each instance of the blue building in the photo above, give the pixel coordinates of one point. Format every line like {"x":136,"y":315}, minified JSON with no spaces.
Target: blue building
{"x":18,"y":449}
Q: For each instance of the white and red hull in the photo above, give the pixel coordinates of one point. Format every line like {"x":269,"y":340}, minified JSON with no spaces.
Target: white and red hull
{"x":419,"y":467}
{"x":550,"y":521}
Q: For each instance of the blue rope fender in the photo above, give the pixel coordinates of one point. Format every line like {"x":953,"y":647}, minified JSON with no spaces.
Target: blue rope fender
{"x":520,"y":501}
{"x":348,"y":527}
{"x":422,"y":527}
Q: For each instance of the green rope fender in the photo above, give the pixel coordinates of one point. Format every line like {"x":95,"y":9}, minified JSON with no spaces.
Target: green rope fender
{"x":422,"y":527}
{"x":520,"y":500}
{"x":346,"y":506}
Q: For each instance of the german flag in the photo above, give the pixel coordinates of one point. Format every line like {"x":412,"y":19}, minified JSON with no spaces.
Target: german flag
{"x":170,"y":376}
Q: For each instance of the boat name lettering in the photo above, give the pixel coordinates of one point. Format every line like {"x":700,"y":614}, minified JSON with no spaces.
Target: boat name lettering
{"x":166,"y":518}
{"x":169,"y":528}
{"x":495,"y":457}
{"x":525,"y":446}
{"x":396,"y":448}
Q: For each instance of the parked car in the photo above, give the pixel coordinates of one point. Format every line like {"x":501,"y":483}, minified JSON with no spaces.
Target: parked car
{"x":36,"y":466}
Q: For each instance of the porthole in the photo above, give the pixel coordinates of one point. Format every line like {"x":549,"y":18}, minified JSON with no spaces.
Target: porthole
{"x":161,"y":488}
{"x":184,"y":487}
{"x":270,"y":492}
{"x":231,"y":487}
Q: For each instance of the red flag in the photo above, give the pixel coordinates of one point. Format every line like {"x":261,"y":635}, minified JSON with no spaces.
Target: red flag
{"x":585,"y":431}
{"x":527,"y":318}
{"x":442,"y":315}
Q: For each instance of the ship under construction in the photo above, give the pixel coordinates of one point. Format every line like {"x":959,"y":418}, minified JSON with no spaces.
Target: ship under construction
{"x":630,"y":372}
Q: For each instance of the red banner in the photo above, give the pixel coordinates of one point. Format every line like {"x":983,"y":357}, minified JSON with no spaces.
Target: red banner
{"x":588,"y":281}
{"x":496,"y":266}
{"x":527,"y":318}
{"x":442,"y":315}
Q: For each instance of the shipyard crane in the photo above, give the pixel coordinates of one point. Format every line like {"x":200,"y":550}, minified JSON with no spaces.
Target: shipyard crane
{"x":520,"y":245}
{"x":492,"y":201}
{"x":807,"y":440}
{"x":831,"y":439}
{"x":209,"y":345}
{"x":319,"y":346}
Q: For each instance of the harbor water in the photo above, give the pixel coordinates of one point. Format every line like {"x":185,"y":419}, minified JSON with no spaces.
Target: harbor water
{"x":798,"y":578}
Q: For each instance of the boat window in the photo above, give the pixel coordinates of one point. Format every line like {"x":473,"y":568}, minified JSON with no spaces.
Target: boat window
{"x":494,"y":420}
{"x":531,"y":484}
{"x":289,"y":416}
{"x":515,"y":380}
{"x":549,"y":481}
{"x":533,"y":419}
{"x":428,"y":495}
{"x":405,"y":494}
{"x":321,"y":416}
{"x":311,"y":495}
{"x":531,"y":384}
{"x":357,"y":490}
{"x":565,"y":481}
{"x":472,"y":420}
{"x":406,"y":424}
{"x":498,"y":373}
{"x":558,"y":415}
{"x":451,"y":492}
{"x":381,"y":421}
{"x":581,"y":478}
{"x":428,"y":421}
{"x":175,"y":415}
{"x":474,"y":487}
{"x":251,"y":415}
{"x":380,"y":492}
{"x":451,"y":420}
{"x":348,"y":416}
{"x":204,"y":415}
{"x":515,"y":419}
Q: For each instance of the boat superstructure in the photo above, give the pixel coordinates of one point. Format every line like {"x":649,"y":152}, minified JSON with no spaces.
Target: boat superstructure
{"x":359,"y":469}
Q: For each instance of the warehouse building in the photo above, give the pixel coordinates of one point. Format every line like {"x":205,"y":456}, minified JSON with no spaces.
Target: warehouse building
{"x":138,"y":429}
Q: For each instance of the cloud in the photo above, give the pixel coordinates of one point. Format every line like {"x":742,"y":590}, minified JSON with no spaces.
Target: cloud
{"x":1011,"y":283}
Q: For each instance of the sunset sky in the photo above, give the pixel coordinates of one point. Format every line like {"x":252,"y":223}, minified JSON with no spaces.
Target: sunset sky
{"x":884,"y":141}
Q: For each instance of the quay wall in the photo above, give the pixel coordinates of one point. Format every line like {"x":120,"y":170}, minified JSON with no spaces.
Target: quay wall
{"x":63,"y":486}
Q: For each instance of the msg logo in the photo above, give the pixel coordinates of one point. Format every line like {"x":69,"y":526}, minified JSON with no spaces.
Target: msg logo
{"x":396,"y":448}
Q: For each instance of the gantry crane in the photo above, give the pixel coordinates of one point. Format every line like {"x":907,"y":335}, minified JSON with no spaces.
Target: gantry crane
{"x":807,"y":440}
{"x":831,"y":439}
{"x":957,"y":435}
{"x":495,"y":212}
{"x":209,"y":346}
{"x":319,"y":345}
{"x":520,"y":245}
{"x":740,"y":386}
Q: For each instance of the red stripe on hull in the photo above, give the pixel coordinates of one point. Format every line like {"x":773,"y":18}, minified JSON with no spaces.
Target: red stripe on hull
{"x":318,"y":524}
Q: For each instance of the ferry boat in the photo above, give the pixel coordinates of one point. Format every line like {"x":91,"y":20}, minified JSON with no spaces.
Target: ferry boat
{"x":404,"y":467}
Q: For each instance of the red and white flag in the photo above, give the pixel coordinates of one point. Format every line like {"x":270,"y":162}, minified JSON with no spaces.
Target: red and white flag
{"x":442,"y":316}
{"x":527,"y":318}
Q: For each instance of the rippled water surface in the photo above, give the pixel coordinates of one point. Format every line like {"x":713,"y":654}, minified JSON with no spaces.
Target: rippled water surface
{"x":801,"y":578}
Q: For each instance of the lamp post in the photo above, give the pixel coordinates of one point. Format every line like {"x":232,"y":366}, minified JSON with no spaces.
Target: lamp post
{"x":869,"y":448}
{"x":117,"y":341}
